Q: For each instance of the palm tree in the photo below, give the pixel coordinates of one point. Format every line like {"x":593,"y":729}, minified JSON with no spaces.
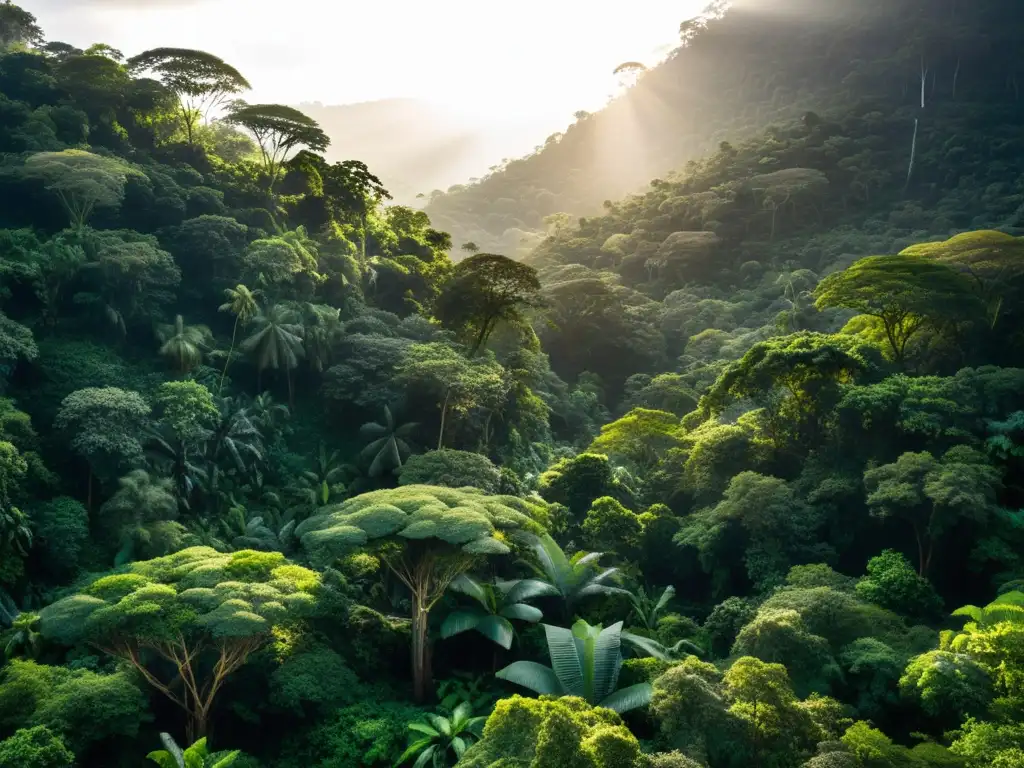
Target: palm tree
{"x":322,"y":326}
{"x":441,"y":742}
{"x":572,"y":579}
{"x":499,"y":602}
{"x":277,"y":343}
{"x":242,"y":303}
{"x":236,"y":438}
{"x":169,"y":454}
{"x":196,"y":756}
{"x":266,"y":414}
{"x":183,"y":344}
{"x":389,"y":448}
{"x":585,"y":662}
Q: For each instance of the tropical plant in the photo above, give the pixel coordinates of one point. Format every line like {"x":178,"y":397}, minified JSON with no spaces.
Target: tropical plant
{"x":441,"y":741}
{"x":585,"y":662}
{"x":23,"y":638}
{"x":646,"y":609}
{"x":389,"y":447}
{"x":277,"y":343}
{"x":316,"y":486}
{"x":235,"y":438}
{"x":572,"y":578}
{"x":499,"y":602}
{"x":183,"y":344}
{"x":196,"y":756}
{"x":243,"y":304}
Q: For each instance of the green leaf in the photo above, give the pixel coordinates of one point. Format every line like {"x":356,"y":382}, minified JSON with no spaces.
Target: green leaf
{"x":467,"y":585}
{"x":461,"y":713}
{"x":496,"y":629}
{"x":522,"y":612}
{"x":424,"y":729}
{"x":425,"y":756}
{"x":442,"y":724}
{"x":412,"y":750}
{"x":633,"y":697}
{"x":538,"y":678}
{"x":459,"y":745}
{"x":647,"y":646}
{"x":164,"y":759}
{"x":667,"y":595}
{"x":526,"y":589}
{"x":565,"y":659}
{"x":460,"y":621}
{"x":607,"y":661}
{"x":227,"y":760}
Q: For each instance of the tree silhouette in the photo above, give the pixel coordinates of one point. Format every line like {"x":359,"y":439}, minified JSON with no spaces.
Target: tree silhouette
{"x":183,"y":344}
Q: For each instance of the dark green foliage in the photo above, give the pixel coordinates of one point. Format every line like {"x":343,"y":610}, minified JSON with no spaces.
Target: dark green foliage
{"x":892,"y":583}
{"x":454,"y":469}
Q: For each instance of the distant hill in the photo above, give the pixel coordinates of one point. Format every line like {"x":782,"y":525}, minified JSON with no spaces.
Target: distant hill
{"x":762,"y":63}
{"x":414,"y":146}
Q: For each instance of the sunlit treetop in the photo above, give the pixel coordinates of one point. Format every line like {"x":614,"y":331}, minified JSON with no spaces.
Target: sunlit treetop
{"x":278,"y":129}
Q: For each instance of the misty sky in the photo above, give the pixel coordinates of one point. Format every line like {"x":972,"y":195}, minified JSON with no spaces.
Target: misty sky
{"x":531,"y":61}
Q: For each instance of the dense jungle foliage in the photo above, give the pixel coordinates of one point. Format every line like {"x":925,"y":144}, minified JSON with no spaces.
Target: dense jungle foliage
{"x":725,"y":476}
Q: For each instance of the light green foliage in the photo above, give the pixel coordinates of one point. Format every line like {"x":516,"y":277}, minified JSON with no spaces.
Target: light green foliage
{"x":106,"y":426}
{"x":892,"y":583}
{"x":82,"y":181}
{"x":36,"y":747}
{"x":991,"y":260}
{"x":452,"y":469}
{"x":281,"y":261}
{"x":640,"y":437}
{"x":576,"y":482}
{"x":819,"y":575}
{"x":780,"y":636}
{"x":80,"y":705}
{"x":989,"y":745}
{"x":16,"y":341}
{"x":994,"y":637}
{"x":906,"y":294}
{"x":442,"y":741}
{"x":585,"y":662}
{"x":135,"y":517}
{"x":839,"y":617}
{"x":187,"y":407}
{"x":776,"y":526}
{"x":195,"y":756}
{"x":949,"y":687}
{"x":177,"y":605}
{"x":609,"y":526}
{"x":547,"y":733}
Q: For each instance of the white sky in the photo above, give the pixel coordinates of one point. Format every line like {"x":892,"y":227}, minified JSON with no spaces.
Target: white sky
{"x":528,"y":61}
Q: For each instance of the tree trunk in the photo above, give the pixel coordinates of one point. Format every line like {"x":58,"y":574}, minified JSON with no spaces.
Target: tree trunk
{"x":444,"y":414}
{"x":420,"y":652}
{"x":228,"y":361}
{"x":291,"y":393}
{"x":913,"y":153}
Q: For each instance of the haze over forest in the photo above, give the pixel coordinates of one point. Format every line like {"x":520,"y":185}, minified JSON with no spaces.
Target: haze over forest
{"x":406,"y":385}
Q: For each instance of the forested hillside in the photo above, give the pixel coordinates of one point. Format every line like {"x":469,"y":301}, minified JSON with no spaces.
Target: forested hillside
{"x":725,"y":475}
{"x":761,"y":63}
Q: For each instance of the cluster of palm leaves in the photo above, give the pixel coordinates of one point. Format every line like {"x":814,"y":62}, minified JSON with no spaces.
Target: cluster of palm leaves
{"x":195,"y":756}
{"x":441,"y":741}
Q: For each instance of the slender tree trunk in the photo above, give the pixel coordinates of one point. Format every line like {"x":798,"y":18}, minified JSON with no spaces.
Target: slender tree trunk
{"x":227,"y":362}
{"x":956,"y":76}
{"x":88,"y":491}
{"x":444,"y":414}
{"x":420,"y":652}
{"x":291,"y":393}
{"x":922,"y":558}
{"x":913,"y":153}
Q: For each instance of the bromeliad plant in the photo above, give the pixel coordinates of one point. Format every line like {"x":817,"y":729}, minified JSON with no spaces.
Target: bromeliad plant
{"x":585,"y":662}
{"x":440,"y":742}
{"x":499,"y":602}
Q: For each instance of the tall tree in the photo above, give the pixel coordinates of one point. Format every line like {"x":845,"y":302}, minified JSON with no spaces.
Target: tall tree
{"x":183,"y":345}
{"x":201,"y":80}
{"x":906,"y":294}
{"x":158,"y":611}
{"x":277,"y":343}
{"x":483,"y":289}
{"x":389,"y":447}
{"x":18,"y":26}
{"x":243,"y":304}
{"x":278,"y":129}
{"x":427,"y":537}
{"x":81,"y":180}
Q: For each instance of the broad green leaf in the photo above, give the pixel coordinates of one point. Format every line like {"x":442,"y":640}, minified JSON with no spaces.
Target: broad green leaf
{"x":633,"y":697}
{"x":425,"y":756}
{"x":442,"y":724}
{"x":538,"y":678}
{"x":467,"y":585}
{"x":646,"y":646}
{"x":424,"y":729}
{"x":522,"y":612}
{"x":496,"y":629}
{"x":413,"y":749}
{"x":526,"y":589}
{"x":458,"y":622}
{"x":459,"y":746}
{"x":565,"y":659}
